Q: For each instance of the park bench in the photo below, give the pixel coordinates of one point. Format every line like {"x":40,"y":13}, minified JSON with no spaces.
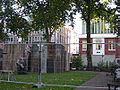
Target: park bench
{"x":115,"y":82}
{"x":10,"y":75}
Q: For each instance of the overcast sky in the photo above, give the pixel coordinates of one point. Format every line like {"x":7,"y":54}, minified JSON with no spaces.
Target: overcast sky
{"x":78,"y":24}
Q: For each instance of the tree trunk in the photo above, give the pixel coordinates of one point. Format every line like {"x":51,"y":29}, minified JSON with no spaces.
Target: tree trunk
{"x":89,"y":59}
{"x":48,"y":37}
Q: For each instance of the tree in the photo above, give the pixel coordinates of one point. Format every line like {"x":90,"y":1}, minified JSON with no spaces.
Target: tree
{"x":11,"y":20}
{"x":18,"y":25}
{"x":47,"y":15}
{"x":116,"y":20}
{"x":91,"y":9}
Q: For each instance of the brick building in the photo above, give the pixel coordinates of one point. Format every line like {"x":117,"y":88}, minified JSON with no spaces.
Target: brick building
{"x":104,"y":43}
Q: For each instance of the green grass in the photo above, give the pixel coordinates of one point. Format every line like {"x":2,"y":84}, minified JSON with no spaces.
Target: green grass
{"x":74,"y":78}
{"x":14,"y":86}
{"x":66,"y":78}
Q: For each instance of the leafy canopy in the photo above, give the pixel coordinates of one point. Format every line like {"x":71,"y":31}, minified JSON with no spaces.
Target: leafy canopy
{"x":47,"y":15}
{"x":11,"y":20}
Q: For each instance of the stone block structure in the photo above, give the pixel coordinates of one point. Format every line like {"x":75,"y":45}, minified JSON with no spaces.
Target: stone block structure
{"x":49,"y":58}
{"x":56,"y":59}
{"x":13,"y":53}
{"x":1,"y":57}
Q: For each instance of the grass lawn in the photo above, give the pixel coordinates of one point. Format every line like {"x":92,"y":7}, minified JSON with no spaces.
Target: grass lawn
{"x":14,"y":86}
{"x":74,"y":78}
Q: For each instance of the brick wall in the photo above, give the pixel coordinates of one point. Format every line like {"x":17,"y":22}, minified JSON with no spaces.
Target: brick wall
{"x":80,"y":46}
{"x":107,"y":52}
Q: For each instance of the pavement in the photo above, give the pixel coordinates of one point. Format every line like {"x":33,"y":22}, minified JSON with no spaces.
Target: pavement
{"x":99,"y":82}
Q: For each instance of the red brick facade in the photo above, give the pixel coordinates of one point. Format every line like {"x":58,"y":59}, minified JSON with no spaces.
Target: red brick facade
{"x":106,"y":50}
{"x":80,"y":46}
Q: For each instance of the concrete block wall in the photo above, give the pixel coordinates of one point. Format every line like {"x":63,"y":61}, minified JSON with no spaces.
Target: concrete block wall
{"x":98,"y":58}
{"x":52,"y":57}
{"x":35,"y":59}
{"x":1,"y":58}
{"x":13,"y":53}
{"x":56,"y":62}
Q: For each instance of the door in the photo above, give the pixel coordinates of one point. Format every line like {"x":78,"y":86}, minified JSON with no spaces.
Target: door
{"x":98,"y":46}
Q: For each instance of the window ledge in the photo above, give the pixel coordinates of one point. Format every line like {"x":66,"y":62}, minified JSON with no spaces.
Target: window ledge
{"x":112,"y":50}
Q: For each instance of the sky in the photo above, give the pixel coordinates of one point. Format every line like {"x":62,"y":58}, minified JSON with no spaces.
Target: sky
{"x":78,"y":24}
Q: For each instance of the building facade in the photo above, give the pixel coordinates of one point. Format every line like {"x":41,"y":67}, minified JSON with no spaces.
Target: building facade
{"x":104,"y":43}
{"x":63,"y":36}
{"x":74,"y":42}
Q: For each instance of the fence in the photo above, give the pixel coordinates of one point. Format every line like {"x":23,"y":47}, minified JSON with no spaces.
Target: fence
{"x":50,"y":63}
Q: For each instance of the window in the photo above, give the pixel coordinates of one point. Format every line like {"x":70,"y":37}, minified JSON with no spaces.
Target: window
{"x":11,"y":39}
{"x":111,"y":45}
{"x":35,"y":38}
{"x":84,"y":46}
{"x":98,"y":46}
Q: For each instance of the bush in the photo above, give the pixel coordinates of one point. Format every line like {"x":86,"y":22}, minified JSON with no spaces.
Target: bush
{"x":101,"y":66}
{"x":113,"y":66}
{"x":77,"y":62}
{"x":107,"y":66}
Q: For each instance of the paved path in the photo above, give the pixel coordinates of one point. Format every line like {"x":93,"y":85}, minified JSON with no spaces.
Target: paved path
{"x":99,"y":82}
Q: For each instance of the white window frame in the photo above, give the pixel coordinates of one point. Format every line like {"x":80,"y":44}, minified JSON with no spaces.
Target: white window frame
{"x":98,"y":46}
{"x":111,"y":45}
{"x":84,"y":45}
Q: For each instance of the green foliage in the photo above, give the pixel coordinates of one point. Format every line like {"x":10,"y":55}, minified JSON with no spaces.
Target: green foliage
{"x":12,"y":20}
{"x":107,"y":66}
{"x":101,"y":66}
{"x":77,"y":62}
{"x":3,"y":36}
{"x":48,"y":15}
{"x":113,"y":66}
{"x":97,"y":8}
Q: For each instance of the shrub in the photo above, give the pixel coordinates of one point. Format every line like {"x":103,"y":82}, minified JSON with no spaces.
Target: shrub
{"x":77,"y":62}
{"x":107,"y":66}
{"x":113,"y":66}
{"x":101,"y":66}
